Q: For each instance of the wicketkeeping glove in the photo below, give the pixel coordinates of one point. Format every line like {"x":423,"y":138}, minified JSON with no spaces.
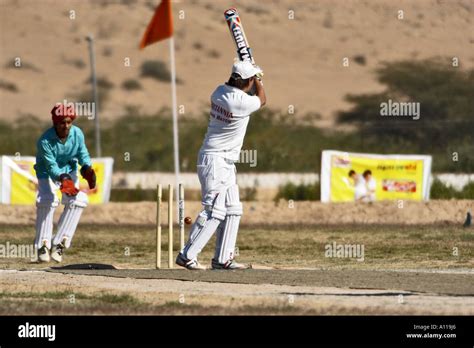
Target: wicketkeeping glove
{"x":88,"y":173}
{"x":67,"y":185}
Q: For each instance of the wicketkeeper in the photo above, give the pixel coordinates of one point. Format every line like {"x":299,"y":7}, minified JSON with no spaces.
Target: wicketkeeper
{"x":59,"y":150}
{"x":231,"y":106}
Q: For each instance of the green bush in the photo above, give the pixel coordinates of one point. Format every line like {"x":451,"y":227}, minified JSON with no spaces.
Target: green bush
{"x":8,"y":86}
{"x":446,"y":113}
{"x":468,"y":191}
{"x":131,"y":85}
{"x":128,"y":195}
{"x":441,"y":191}
{"x":75,"y":62}
{"x":156,"y":69}
{"x":312,"y":192}
{"x":87,"y":96}
{"x":299,"y":192}
{"x":148,"y":195}
{"x":289,"y":191}
{"x":281,"y":145}
{"x":24,"y":65}
{"x":213,"y":53}
{"x":105,"y":83}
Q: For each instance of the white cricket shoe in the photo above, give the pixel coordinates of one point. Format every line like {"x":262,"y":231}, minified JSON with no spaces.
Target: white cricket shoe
{"x":192,"y":265}
{"x":57,"y":252}
{"x":43,"y":254}
{"x":229,"y":265}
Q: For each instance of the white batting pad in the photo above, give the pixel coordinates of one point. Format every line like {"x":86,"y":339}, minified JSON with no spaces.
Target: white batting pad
{"x":231,"y":226}
{"x":201,"y":231}
{"x":70,"y":218}
{"x":44,"y":225}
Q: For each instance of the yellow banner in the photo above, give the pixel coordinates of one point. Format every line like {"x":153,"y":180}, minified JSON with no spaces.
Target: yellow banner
{"x":23,"y":190}
{"x":369,"y":177}
{"x":20,"y":184}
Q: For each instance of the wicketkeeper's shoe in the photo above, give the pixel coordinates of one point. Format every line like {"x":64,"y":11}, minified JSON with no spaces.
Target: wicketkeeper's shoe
{"x":229,"y":265}
{"x":43,"y":254}
{"x":192,"y":265}
{"x":57,"y":252}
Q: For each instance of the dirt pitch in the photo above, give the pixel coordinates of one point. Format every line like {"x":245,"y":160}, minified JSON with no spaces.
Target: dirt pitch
{"x":460,"y":284}
{"x":406,"y":269}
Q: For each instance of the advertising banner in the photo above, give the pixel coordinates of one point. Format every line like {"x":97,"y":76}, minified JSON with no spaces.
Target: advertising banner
{"x":18,"y":183}
{"x":349,"y":177}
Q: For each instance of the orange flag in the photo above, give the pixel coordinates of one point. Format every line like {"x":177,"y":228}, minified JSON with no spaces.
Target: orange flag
{"x":161,"y":25}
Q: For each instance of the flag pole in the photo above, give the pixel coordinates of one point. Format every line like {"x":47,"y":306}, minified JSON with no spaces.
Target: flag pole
{"x":98,"y":148}
{"x":159,"y":28}
{"x":175,"y":116}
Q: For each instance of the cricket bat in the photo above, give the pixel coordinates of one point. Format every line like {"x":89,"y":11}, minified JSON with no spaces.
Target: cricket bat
{"x":244,"y":51}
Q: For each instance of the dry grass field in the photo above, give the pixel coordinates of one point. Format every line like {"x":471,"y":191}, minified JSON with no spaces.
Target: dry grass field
{"x":405,"y":270}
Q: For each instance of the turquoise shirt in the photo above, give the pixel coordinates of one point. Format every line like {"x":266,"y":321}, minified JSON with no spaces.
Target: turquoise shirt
{"x":54,"y":158}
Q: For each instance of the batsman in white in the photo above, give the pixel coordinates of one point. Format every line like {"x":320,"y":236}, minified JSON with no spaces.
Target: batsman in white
{"x":59,"y":150}
{"x":231,"y":106}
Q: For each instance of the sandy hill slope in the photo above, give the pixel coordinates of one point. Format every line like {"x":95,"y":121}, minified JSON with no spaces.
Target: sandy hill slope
{"x":301,"y":57}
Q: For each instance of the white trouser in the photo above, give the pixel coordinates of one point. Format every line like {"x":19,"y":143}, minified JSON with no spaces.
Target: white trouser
{"x":46,"y":203}
{"x":216,"y":176}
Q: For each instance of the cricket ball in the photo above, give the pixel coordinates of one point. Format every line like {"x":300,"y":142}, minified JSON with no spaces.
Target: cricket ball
{"x":188,"y":220}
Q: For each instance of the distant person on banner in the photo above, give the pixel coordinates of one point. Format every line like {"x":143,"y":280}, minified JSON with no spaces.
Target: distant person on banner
{"x":360,"y":188}
{"x":370,"y":185}
{"x":59,"y":150}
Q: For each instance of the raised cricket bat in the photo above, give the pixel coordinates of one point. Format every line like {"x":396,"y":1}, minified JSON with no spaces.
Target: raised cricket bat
{"x":244,"y":51}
